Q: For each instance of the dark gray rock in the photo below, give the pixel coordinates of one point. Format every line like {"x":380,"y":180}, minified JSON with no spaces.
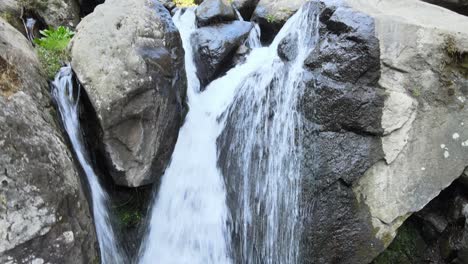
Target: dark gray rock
{"x":214,"y":11}
{"x":129,"y":57}
{"x":342,"y":108}
{"x":44,"y":216}
{"x":215,"y":46}
{"x":459,"y":6}
{"x":337,"y":228}
{"x":287,"y":49}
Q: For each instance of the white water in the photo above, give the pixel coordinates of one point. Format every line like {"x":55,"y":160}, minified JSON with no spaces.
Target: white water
{"x":190,"y":215}
{"x":67,"y":100}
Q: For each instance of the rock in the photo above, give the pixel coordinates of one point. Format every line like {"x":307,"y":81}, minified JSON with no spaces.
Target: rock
{"x":214,"y":48}
{"x":168,"y":4}
{"x":341,"y":107}
{"x":380,"y":79}
{"x":54,"y":13}
{"x":245,"y":7}
{"x":287,"y":49}
{"x":128,"y":55}
{"x":271,"y":16}
{"x":214,"y":11}
{"x":10,"y":11}
{"x":459,"y":6}
{"x":44,"y":215}
{"x":424,"y":86}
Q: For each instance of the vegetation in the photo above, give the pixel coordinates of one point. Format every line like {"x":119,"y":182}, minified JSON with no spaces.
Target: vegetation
{"x":184,"y":3}
{"x":52,"y":48}
{"x":129,"y":219}
{"x":271,"y":18}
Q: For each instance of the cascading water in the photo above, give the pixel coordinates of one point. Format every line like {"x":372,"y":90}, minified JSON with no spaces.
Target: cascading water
{"x":67,"y":100}
{"x":259,"y":149}
{"x":189,"y":219}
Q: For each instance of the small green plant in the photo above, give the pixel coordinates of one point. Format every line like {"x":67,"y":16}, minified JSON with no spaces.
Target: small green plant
{"x":416,"y":92}
{"x":184,"y":3}
{"x":271,"y":18}
{"x":52,"y":48}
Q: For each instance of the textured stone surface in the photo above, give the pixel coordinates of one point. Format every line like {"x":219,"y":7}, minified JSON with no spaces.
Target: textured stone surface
{"x":342,"y":107}
{"x":214,"y":48}
{"x":423,"y":119}
{"x":214,"y":11}
{"x":43,"y":212}
{"x":128,"y":56}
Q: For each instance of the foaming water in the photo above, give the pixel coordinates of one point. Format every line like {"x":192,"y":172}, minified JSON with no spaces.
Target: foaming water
{"x":190,"y":216}
{"x":67,"y":101}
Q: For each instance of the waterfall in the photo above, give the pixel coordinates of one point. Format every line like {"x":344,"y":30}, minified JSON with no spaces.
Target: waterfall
{"x":190,"y":219}
{"x":67,"y":99}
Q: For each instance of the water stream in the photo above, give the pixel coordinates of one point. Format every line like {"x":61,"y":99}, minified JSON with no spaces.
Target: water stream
{"x":66,"y":96}
{"x":190,"y":219}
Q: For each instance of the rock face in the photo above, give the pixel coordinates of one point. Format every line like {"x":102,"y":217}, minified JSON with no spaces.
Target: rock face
{"x":272,"y":14}
{"x":128,"y":56}
{"x":384,"y":116}
{"x":214,"y":11}
{"x":459,"y":6}
{"x":215,"y":46}
{"x":44,"y":216}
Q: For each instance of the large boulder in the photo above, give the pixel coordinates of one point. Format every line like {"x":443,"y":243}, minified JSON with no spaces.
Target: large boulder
{"x":44,"y":216}
{"x":272,"y":14}
{"x":214,"y":48}
{"x":214,"y":11}
{"x":459,"y":6}
{"x":383,"y":122}
{"x":128,"y":56}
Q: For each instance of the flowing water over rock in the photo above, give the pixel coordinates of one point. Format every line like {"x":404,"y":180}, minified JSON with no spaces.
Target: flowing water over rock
{"x":67,"y":97}
{"x":191,"y":221}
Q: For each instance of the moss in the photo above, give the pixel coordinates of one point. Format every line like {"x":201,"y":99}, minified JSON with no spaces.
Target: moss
{"x":457,"y":59}
{"x":8,"y":17}
{"x":129,"y":218}
{"x":9,"y":78}
{"x":407,"y":247}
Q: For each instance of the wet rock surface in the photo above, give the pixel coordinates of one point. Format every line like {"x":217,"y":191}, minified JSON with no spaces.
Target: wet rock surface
{"x":214,"y":48}
{"x":341,"y":107}
{"x":44,"y":216}
{"x":128,"y":56}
